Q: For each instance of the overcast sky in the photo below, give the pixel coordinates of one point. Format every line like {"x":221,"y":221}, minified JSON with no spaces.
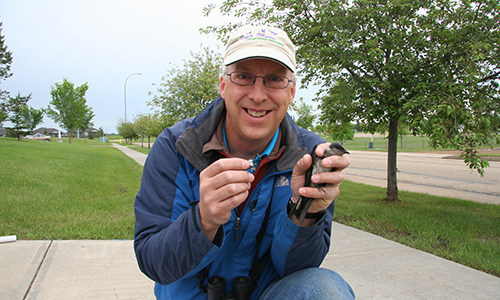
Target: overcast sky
{"x":101,"y":42}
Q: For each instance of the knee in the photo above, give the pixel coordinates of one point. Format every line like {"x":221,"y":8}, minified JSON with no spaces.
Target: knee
{"x":327,"y":284}
{"x":311,"y":283}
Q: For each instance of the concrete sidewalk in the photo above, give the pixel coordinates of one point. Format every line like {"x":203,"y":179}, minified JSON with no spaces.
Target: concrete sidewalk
{"x":375,"y":267}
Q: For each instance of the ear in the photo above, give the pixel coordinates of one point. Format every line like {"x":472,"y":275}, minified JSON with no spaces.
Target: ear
{"x":222,"y":87}
{"x":292,"y":92}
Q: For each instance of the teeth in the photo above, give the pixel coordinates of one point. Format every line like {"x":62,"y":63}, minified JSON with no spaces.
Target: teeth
{"x":256,"y":114}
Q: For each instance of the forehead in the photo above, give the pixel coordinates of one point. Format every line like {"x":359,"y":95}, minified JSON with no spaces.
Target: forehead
{"x":259,"y":65}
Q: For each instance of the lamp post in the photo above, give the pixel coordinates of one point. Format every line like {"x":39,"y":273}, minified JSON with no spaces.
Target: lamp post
{"x":125,"y":93}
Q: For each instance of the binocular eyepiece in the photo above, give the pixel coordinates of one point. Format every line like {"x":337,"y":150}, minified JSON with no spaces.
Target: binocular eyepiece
{"x":216,"y":287}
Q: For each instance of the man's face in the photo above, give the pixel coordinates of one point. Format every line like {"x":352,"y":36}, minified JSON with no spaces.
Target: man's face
{"x":254,"y":112}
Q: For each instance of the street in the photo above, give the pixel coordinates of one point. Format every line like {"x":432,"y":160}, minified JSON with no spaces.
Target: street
{"x":428,"y":173}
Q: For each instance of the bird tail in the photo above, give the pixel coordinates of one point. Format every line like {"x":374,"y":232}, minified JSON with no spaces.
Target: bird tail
{"x":300,"y":209}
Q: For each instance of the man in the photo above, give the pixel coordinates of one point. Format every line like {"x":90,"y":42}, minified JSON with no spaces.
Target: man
{"x":217,"y":188}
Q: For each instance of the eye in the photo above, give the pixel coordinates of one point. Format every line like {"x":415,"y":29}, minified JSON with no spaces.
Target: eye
{"x":244,"y":76}
{"x":273,"y":78}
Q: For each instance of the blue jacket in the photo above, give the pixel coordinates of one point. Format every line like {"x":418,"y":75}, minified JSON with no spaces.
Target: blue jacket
{"x":170,"y":245}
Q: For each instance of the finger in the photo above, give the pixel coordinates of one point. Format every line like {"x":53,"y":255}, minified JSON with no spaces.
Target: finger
{"x":329,"y":178}
{"x":320,"y":149}
{"x":337,"y":162}
{"x":328,"y":193}
{"x":228,"y":191}
{"x":225,"y":185}
{"x":218,"y":175}
{"x":298,"y":175}
{"x":228,"y":177}
{"x":223,"y":203}
{"x":230,"y":203}
{"x":321,"y":198}
{"x":225,"y":164}
{"x":302,"y":165}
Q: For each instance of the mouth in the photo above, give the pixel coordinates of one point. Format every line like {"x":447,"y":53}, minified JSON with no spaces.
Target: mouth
{"x":257,"y":114}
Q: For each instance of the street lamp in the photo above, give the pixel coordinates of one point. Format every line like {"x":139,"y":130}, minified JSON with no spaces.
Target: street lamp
{"x":125,"y":93}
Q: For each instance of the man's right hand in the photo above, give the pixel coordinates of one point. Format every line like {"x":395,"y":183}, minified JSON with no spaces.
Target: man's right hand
{"x":224,"y":185}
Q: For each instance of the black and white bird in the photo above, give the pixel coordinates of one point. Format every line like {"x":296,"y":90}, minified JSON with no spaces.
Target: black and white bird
{"x":300,"y":208}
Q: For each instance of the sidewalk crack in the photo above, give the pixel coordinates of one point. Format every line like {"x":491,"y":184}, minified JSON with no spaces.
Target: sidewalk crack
{"x":37,"y":271}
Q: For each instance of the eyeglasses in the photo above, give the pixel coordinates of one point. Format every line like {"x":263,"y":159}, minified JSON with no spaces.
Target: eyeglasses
{"x":271,"y":81}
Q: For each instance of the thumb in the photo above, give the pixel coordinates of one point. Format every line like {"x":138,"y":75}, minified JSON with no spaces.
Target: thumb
{"x":299,"y":174}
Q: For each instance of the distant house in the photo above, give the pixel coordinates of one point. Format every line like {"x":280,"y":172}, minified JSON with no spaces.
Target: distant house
{"x":86,"y":132}
{"x":48,"y":131}
{"x":3,"y":132}
{"x":91,"y":130}
{"x":53,"y":132}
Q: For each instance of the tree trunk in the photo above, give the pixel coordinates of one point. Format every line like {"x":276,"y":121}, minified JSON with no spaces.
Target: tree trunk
{"x":392,"y":154}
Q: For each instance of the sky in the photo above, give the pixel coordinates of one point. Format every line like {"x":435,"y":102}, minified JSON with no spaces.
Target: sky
{"x":102,"y":42}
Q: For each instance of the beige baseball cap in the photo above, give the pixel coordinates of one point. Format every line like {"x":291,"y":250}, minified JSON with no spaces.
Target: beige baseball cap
{"x":260,"y":41}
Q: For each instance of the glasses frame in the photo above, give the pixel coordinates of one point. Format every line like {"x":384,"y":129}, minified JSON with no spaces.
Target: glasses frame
{"x":263,"y":79}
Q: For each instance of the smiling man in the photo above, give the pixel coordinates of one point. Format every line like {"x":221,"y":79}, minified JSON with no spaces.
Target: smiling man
{"x":212,"y":211}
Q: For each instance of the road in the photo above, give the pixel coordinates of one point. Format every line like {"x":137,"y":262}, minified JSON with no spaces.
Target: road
{"x":428,"y":173}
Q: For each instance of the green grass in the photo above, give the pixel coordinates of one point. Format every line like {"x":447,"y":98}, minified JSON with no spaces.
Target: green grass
{"x":56,"y":190}
{"x":410,"y":143}
{"x":407,"y":144}
{"x":83,"y":190}
{"x":462,"y":231}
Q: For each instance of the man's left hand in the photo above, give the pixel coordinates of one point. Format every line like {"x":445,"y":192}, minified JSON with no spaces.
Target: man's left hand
{"x":325,"y":196}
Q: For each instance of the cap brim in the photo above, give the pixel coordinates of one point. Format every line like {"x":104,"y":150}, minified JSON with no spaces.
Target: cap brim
{"x":259,"y":52}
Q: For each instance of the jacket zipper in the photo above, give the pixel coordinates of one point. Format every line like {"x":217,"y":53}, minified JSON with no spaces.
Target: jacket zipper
{"x":226,"y":266}
{"x":236,"y":228}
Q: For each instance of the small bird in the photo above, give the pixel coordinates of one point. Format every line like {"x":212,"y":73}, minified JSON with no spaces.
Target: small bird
{"x":300,"y":208}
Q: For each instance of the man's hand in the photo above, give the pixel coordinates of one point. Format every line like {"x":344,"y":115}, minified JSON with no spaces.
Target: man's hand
{"x":323,"y":196}
{"x":223,"y":186}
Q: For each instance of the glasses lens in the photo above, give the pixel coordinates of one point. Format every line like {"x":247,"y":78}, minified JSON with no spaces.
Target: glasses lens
{"x":242,"y":78}
{"x":276,"y":82}
{"x":271,"y":81}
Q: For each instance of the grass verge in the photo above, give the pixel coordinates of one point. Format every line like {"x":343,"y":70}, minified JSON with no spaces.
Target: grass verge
{"x":405,"y":144}
{"x":56,"y":190}
{"x":462,"y":231}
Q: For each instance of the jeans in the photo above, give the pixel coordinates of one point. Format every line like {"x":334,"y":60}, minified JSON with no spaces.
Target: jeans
{"x":312,"y":283}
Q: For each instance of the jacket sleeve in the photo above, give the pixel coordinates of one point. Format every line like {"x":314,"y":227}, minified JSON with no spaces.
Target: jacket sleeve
{"x":167,"y":218}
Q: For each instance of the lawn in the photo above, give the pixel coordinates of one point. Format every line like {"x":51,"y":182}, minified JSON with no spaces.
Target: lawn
{"x":83,"y":190}
{"x":56,"y":190}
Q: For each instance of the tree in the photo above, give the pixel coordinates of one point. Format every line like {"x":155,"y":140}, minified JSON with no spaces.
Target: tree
{"x":31,"y":117}
{"x":15,"y":107}
{"x":5,"y":62}
{"x":68,"y":107}
{"x":432,"y":64}
{"x":185,"y":92}
{"x":305,"y":114}
{"x":142,"y":123}
{"x":3,"y":114}
{"x":148,"y":125}
{"x":127,"y":130}
{"x":86,"y":121}
{"x":340,"y":132}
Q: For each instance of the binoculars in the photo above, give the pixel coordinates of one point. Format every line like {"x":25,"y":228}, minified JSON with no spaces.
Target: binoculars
{"x":216,"y":288}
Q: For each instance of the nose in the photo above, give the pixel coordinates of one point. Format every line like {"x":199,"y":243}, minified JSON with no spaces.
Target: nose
{"x":258,"y":91}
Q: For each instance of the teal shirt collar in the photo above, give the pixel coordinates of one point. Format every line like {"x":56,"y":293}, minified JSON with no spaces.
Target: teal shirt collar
{"x":254,"y":163}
